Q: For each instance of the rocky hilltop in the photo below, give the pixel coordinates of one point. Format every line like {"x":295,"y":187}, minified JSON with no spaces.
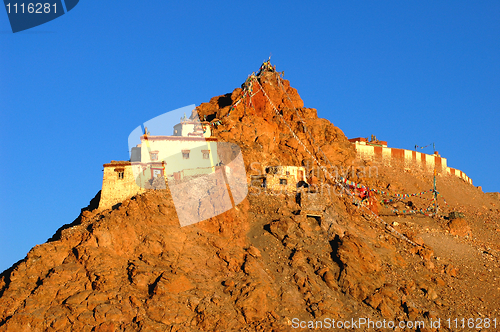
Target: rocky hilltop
{"x":265,"y":265}
{"x":249,"y":118}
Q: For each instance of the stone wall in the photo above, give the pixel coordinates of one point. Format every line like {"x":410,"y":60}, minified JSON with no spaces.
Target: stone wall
{"x":284,"y":178}
{"x":136,"y":177}
{"x":283,"y":183}
{"x":459,"y":173}
{"x":187,"y":173}
{"x":199,"y":152}
{"x":118,"y":184}
{"x":407,"y":159}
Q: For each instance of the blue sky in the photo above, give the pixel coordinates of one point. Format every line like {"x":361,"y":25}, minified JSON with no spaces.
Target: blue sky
{"x":73,"y":89}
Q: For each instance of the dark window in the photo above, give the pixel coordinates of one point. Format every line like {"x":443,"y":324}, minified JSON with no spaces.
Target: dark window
{"x":206,"y":155}
{"x":185,"y":154}
{"x":283,"y":182}
{"x":154,"y":155}
{"x":120,"y":175}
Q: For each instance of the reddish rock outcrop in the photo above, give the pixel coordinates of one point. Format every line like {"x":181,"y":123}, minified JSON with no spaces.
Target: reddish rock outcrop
{"x":265,"y":136}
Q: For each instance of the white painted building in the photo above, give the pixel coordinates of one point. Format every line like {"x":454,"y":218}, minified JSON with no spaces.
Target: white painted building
{"x":189,"y":151}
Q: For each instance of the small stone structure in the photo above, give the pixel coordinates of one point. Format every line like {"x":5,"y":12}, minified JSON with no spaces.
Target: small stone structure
{"x":118,"y":183}
{"x":280,"y":178}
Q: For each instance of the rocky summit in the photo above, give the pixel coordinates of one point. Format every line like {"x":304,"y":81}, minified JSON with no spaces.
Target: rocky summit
{"x":272,"y":263}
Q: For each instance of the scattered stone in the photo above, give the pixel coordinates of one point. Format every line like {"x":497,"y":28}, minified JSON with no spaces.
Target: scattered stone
{"x":431,"y":294}
{"x":459,"y":226}
{"x":330,"y":280}
{"x":254,"y":252}
{"x":425,"y":253}
{"x":451,"y":270}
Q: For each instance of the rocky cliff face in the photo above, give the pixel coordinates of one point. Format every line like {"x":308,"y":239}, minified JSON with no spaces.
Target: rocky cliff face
{"x":264,"y":136}
{"x":265,"y":265}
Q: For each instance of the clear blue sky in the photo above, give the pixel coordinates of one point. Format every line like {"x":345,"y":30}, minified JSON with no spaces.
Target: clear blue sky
{"x":71,"y":90}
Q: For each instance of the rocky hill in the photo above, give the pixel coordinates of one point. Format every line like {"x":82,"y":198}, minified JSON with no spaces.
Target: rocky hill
{"x":266,"y":265}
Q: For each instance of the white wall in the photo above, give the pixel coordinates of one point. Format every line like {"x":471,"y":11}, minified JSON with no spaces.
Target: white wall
{"x":170,"y":151}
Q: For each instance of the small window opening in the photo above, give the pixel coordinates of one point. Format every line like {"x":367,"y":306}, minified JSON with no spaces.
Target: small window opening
{"x":121,"y":175}
{"x":283,"y":182}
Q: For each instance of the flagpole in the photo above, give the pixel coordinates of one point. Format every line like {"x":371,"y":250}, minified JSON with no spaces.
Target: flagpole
{"x":435,"y":194}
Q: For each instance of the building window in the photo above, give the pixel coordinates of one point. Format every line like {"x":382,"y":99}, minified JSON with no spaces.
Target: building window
{"x":153,"y":155}
{"x":120,"y":172}
{"x":283,"y":182}
{"x":185,"y":154}
{"x":206,"y":154}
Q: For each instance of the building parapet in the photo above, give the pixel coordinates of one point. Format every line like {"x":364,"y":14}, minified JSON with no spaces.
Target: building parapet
{"x":407,"y":159}
{"x":364,"y":141}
